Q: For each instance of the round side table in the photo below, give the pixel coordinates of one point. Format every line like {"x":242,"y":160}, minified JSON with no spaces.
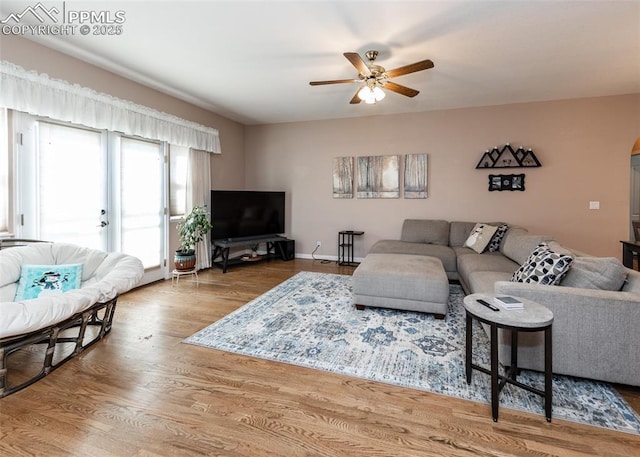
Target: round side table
{"x":534,"y":317}
{"x":175,"y":274}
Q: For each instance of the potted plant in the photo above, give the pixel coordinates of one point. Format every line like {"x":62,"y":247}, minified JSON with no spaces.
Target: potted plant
{"x":191,"y":231}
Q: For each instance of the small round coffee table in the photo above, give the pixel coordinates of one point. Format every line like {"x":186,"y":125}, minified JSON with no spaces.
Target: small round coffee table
{"x":534,"y":317}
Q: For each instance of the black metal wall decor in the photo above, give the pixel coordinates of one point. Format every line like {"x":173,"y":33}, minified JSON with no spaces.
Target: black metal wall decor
{"x":506,"y":182}
{"x":508,"y":158}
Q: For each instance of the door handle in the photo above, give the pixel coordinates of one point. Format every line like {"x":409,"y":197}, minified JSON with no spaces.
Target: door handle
{"x":103,"y":224}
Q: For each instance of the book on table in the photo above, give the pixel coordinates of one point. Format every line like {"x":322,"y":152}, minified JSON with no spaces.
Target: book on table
{"x":509,"y":302}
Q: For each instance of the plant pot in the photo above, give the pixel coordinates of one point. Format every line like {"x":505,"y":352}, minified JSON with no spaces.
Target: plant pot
{"x":185,"y":260}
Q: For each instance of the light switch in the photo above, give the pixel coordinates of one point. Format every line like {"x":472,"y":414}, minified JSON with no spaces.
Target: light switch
{"x":594,"y":205}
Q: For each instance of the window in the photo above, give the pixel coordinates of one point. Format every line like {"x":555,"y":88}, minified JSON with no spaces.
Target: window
{"x":178,"y":161}
{"x":4,"y":173}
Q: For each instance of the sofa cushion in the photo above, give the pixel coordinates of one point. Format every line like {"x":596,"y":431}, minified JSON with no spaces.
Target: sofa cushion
{"x":483,"y":282}
{"x":41,"y":280}
{"x":543,"y":266}
{"x":425,"y":231}
{"x":446,"y":254}
{"x":459,"y":232}
{"x":518,"y":244}
{"x":605,"y":273}
{"x":468,"y":264}
{"x":494,"y":244}
{"x":480,"y":237}
{"x":459,"y":250}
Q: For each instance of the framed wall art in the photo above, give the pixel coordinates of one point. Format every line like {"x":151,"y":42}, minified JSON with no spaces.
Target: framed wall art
{"x":415,"y":176}
{"x":506,"y":182}
{"x":343,"y":177}
{"x":378,"y":177}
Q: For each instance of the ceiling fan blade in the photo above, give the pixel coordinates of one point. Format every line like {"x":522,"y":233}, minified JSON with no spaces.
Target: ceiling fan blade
{"x":355,"y":100}
{"x":400,"y":89}
{"x":412,"y":68}
{"x":334,"y":81}
{"x":357,"y":62}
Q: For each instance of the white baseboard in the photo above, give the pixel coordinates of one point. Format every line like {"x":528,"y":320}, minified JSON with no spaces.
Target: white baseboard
{"x":332,"y":258}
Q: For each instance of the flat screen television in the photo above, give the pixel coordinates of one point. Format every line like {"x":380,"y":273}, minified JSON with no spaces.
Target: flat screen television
{"x":244,"y":214}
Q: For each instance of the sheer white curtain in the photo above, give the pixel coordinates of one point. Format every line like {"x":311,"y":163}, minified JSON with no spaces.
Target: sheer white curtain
{"x":37,"y":94}
{"x":199,"y":193}
{"x":5,"y":192}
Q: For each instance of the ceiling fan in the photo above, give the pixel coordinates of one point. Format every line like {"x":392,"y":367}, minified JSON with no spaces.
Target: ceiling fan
{"x":375,"y":77}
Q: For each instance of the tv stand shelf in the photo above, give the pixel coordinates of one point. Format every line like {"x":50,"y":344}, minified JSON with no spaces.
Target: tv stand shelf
{"x":222,"y":248}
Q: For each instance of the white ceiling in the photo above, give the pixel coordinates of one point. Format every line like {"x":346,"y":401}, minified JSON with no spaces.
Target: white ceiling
{"x":252,"y":61}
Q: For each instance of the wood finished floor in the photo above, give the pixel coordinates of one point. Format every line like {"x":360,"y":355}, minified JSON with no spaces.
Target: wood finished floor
{"x":141,"y":392}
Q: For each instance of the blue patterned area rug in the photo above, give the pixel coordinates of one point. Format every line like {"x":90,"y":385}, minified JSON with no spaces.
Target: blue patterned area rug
{"x":309,"y":320}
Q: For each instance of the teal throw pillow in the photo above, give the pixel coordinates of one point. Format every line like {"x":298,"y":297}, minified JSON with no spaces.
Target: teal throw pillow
{"x":42,"y":280}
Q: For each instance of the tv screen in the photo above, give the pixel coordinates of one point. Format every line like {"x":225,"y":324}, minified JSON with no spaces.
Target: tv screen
{"x":244,"y":214}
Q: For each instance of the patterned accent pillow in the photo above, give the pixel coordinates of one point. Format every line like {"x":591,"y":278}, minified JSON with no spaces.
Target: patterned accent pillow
{"x":543,"y":266}
{"x":42,"y":280}
{"x":494,"y":244}
{"x":480,"y":237}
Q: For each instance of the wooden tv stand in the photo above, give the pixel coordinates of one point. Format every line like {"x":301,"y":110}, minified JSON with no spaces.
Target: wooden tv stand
{"x":221,"y":248}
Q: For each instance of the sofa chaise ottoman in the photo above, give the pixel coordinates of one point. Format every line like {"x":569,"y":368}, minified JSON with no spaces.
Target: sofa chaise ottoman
{"x":402,"y":281}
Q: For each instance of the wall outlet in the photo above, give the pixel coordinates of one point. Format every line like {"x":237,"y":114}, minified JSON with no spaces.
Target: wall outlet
{"x":318,"y":244}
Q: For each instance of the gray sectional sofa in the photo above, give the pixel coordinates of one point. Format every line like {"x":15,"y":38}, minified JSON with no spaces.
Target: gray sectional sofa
{"x":596,"y":306}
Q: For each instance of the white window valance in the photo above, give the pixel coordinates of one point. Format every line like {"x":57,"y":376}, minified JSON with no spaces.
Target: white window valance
{"x":40,"y":95}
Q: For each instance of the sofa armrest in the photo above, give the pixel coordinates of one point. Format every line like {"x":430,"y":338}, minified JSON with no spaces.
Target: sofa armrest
{"x":569,"y":295}
{"x":579,"y":305}
{"x":594,"y":331}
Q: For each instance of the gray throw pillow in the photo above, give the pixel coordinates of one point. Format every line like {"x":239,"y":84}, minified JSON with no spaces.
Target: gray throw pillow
{"x":605,"y":273}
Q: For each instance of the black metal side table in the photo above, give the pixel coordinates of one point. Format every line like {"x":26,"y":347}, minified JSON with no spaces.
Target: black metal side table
{"x":345,"y":247}
{"x":533,"y":318}
{"x":630,"y":251}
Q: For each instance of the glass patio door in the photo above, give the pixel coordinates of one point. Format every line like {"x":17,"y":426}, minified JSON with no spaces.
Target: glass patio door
{"x":62,"y":182}
{"x":139,"y":202}
{"x":93,"y":188}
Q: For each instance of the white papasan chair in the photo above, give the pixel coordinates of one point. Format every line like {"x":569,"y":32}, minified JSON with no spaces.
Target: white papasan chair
{"x":62,"y":325}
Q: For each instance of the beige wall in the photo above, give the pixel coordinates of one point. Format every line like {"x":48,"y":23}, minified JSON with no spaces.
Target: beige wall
{"x":584,"y":146}
{"x":227,"y":169}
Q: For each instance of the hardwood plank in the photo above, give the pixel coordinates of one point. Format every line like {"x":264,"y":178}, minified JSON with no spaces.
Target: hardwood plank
{"x":142,"y":392}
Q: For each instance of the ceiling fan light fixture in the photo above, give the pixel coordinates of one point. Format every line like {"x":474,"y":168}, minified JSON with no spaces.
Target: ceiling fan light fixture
{"x":375,"y":77}
{"x":378,"y":93}
{"x":366,"y":95}
{"x":370,"y":95}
